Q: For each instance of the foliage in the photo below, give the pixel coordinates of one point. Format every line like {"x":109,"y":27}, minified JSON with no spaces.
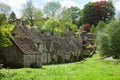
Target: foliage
{"x":87,"y":13}
{"x":51,"y":25}
{"x":86,"y":27}
{"x":73,"y":14}
{"x":4,"y":8}
{"x":101,"y":25}
{"x":51,"y":9}
{"x":39,"y":22}
{"x":31,"y":13}
{"x":12,"y":18}
{"x":97,"y":70}
{"x":27,"y":11}
{"x":71,"y":27}
{"x":92,"y":29}
{"x":3,"y":18}
{"x":5,"y":35}
{"x":107,"y":41}
{"x":37,"y":14}
{"x":102,"y":43}
{"x":93,"y":12}
{"x":58,"y":27}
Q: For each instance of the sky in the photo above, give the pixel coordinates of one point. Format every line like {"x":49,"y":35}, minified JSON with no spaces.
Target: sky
{"x":17,"y":5}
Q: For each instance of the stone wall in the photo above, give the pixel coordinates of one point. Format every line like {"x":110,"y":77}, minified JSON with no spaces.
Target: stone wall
{"x":12,"y":56}
{"x":32,"y":60}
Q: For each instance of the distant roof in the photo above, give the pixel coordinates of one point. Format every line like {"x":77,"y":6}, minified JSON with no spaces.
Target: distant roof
{"x":85,"y":36}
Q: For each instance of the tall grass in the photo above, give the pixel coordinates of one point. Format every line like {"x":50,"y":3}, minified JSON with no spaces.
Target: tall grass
{"x":91,"y":69}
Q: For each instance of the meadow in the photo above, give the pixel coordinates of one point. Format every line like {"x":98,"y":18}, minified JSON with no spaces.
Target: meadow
{"x":89,"y":69}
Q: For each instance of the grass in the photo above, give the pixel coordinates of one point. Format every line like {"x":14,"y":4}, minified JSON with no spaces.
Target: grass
{"x":92,"y":69}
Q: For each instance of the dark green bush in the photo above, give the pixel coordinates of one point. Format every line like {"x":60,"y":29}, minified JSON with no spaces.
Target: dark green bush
{"x":108,"y":40}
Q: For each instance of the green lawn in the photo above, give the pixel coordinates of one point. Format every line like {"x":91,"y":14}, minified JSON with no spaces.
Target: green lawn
{"x":92,"y":69}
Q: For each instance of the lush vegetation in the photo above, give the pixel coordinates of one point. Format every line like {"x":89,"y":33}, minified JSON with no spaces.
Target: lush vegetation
{"x":107,"y":41}
{"x":91,"y":69}
{"x":5,"y":35}
{"x":97,"y":11}
{"x":58,"y":21}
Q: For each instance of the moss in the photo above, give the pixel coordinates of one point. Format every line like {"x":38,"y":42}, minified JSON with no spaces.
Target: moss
{"x":52,"y":53}
{"x":60,"y":59}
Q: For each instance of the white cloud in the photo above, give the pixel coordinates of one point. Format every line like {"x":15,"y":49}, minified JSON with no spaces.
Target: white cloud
{"x":16,"y":5}
{"x":98,"y":0}
{"x":69,"y":3}
{"x":117,"y":4}
{"x":47,"y":1}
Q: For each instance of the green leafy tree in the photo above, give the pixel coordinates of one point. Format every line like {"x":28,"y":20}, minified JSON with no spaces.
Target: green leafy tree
{"x":38,"y":17}
{"x":50,"y":25}
{"x":12,"y":18}
{"x":87,"y":13}
{"x":107,"y":41}
{"x":51,"y":9}
{"x":31,"y":13}
{"x":3,"y":18}
{"x":28,"y":11}
{"x":93,"y":12}
{"x":37,"y":14}
{"x":74,"y":15}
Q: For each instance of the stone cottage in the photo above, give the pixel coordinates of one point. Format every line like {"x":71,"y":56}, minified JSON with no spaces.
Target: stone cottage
{"x":32,"y":48}
{"x":23,"y":52}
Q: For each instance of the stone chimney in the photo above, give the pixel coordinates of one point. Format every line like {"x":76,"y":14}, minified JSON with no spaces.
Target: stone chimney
{"x":18,"y":22}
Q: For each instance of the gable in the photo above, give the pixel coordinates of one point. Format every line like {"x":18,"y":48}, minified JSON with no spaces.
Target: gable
{"x":18,"y":31}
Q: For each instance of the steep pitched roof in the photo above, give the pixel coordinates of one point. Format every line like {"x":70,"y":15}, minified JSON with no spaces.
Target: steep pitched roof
{"x":25,"y":45}
{"x":21,"y":30}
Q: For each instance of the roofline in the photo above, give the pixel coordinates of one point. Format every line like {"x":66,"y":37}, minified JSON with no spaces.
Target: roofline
{"x":21,"y":50}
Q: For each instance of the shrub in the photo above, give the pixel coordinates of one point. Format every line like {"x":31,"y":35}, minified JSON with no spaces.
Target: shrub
{"x":86,"y":27}
{"x":108,"y":40}
{"x":100,"y":26}
{"x":92,"y":29}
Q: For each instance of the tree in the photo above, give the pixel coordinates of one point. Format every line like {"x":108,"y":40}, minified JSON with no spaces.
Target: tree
{"x":37,"y":14}
{"x":31,"y":13}
{"x":28,"y":11}
{"x":3,"y":18}
{"x":51,"y":25}
{"x":51,"y":9}
{"x":93,"y":12}
{"x":4,"y":8}
{"x":38,"y":17}
{"x":58,"y":27}
{"x":72,"y":14}
{"x":107,"y":41}
{"x":87,"y":13}
{"x":12,"y":18}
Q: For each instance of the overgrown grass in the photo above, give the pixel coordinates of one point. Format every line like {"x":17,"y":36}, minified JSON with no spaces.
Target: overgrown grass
{"x":91,"y":69}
